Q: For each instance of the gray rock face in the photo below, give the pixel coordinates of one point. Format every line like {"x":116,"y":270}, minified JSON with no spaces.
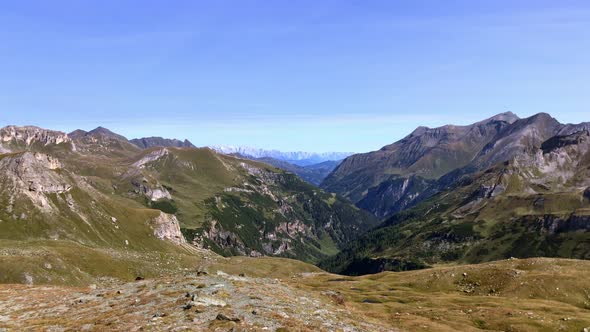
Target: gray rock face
{"x":166,"y":227}
{"x":394,"y":195}
{"x":33,"y":175}
{"x":151,"y":157}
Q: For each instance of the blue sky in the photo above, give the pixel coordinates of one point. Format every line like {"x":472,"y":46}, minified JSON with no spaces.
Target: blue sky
{"x":292,"y":75}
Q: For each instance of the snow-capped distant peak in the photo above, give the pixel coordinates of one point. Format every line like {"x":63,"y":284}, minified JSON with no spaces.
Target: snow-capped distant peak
{"x":298,"y":157}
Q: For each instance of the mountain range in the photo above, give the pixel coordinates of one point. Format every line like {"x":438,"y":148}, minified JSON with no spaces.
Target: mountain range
{"x":91,"y":207}
{"x":525,"y":193}
{"x":98,"y":190}
{"x":423,"y":163}
{"x":297,"y":158}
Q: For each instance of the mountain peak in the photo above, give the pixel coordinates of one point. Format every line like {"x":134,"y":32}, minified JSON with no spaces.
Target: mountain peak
{"x":104,"y":132}
{"x":505,"y":116}
{"x":101,"y":130}
{"x":508,"y":117}
{"x":419,"y":131}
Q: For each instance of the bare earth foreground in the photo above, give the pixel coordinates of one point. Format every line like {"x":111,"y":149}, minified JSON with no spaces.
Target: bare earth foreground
{"x":511,"y":295}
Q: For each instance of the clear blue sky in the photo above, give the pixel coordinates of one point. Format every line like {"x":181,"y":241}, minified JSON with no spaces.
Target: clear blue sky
{"x":292,"y":75}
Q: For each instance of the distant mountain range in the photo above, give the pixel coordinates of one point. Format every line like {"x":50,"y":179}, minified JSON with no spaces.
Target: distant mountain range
{"x":311,"y":167}
{"x":314,"y":174}
{"x":297,"y":158}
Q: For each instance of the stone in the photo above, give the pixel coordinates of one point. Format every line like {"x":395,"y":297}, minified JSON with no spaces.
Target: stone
{"x":223,"y":317}
{"x":28,"y":279}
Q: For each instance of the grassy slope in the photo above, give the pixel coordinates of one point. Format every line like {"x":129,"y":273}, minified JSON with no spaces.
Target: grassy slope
{"x":511,"y":295}
{"x":197,"y":178}
{"x":538,"y":294}
{"x":193,"y":176}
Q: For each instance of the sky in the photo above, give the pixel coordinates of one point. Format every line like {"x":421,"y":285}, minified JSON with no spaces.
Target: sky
{"x":293,"y":75}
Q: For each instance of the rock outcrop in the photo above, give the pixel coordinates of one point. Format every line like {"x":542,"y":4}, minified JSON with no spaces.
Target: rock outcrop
{"x":166,"y":227}
{"x":15,"y":138}
{"x":33,"y":175}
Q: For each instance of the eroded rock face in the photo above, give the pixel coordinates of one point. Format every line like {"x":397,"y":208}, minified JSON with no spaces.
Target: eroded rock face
{"x":151,"y":157}
{"x":559,"y":161}
{"x":223,"y":238}
{"x":166,"y":227}
{"x":34,"y":175}
{"x":153,"y":192}
{"x":13,"y":136}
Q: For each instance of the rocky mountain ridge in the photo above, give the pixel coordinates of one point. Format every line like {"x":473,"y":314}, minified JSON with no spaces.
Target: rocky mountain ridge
{"x":432,"y":159}
{"x":151,"y":142}
{"x":535,"y":204}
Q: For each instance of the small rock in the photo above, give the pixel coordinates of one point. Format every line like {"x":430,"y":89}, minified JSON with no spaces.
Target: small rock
{"x":242,"y":275}
{"x":28,"y":279}
{"x":159,"y":315}
{"x":336,"y":296}
{"x":188,"y":306}
{"x":223,"y":317}
{"x":139,"y":279}
{"x":464,"y":274}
